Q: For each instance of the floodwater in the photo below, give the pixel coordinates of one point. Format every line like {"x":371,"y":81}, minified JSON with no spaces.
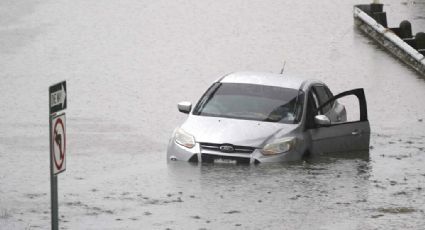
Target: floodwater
{"x":127,"y":63}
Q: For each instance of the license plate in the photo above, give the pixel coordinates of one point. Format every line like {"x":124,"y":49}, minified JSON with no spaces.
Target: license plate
{"x":225,"y":161}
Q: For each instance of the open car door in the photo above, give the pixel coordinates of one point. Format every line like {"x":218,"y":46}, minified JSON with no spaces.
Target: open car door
{"x":341,"y":136}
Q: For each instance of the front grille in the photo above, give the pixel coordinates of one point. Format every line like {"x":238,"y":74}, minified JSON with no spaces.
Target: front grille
{"x":236,"y":148}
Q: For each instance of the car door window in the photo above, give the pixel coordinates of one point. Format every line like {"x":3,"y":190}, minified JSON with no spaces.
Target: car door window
{"x":314,"y":99}
{"x":322,"y":96}
{"x":328,"y":91}
{"x":361,"y":114}
{"x":330,"y":95}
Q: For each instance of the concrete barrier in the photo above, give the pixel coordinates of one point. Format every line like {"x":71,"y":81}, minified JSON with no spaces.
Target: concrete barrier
{"x":388,"y":38}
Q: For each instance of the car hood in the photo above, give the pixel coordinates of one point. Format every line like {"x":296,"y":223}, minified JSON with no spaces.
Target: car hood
{"x":234,"y":131}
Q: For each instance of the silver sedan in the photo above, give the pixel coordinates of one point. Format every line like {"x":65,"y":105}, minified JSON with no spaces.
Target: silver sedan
{"x":250,"y":117}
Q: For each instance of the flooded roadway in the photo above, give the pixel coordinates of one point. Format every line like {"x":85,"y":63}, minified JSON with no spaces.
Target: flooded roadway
{"x":127,"y":64}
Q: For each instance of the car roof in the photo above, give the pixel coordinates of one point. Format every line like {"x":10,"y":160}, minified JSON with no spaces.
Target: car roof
{"x":284,"y":80}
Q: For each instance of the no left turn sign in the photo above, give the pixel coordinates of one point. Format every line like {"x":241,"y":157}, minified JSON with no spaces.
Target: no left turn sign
{"x":58,"y":135}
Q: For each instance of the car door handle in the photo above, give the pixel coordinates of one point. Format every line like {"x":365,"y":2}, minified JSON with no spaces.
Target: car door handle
{"x":355,"y":132}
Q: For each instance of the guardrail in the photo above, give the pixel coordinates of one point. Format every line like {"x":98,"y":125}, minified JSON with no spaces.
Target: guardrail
{"x":372,"y":20}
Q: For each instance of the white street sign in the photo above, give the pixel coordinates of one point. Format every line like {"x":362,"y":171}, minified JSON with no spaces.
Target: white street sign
{"x":58,"y":97}
{"x":57,"y":94}
{"x":58,"y":135}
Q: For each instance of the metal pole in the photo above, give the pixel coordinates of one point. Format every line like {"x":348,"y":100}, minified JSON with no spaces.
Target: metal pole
{"x":53,"y":179}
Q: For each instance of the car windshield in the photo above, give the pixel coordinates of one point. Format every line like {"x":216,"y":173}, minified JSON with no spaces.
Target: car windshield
{"x":251,"y":102}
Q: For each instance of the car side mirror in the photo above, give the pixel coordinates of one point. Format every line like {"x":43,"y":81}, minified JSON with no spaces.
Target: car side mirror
{"x":184,"y":106}
{"x":322,"y":120}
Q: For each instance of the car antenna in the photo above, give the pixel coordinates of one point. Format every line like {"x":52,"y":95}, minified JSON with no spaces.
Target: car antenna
{"x":283,"y":67}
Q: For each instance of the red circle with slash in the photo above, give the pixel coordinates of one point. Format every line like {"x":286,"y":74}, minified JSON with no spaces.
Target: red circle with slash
{"x":60,"y":142}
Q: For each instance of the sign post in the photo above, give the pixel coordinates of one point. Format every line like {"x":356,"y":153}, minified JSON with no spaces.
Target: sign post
{"x":57,"y":140}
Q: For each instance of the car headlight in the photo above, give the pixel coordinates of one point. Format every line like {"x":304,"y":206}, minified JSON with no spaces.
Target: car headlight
{"x":280,"y":146}
{"x":184,"y":139}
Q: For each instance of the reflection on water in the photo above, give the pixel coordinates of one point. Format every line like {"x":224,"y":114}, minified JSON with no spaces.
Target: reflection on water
{"x":333,"y":191}
{"x":321,"y":189}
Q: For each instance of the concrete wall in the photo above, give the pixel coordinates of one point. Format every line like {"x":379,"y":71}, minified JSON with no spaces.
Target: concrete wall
{"x":389,"y":40}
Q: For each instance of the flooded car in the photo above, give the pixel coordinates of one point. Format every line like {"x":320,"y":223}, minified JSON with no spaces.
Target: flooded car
{"x":250,"y":117}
